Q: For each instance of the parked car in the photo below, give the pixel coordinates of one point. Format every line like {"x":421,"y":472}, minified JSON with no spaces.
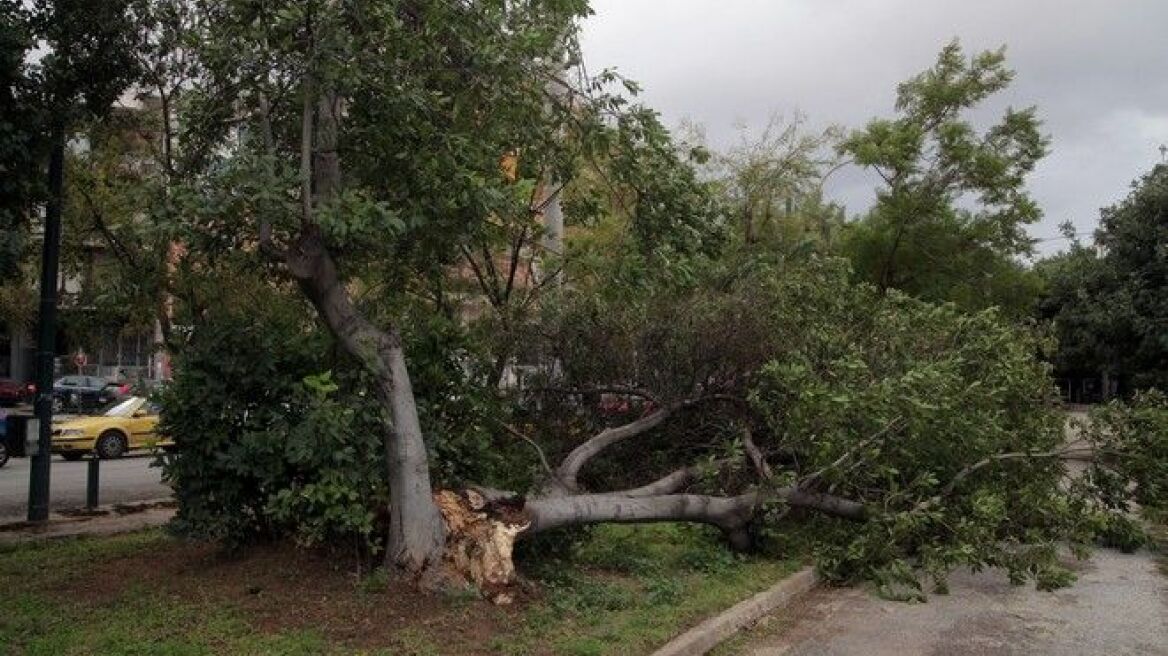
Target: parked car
{"x":83,"y":393}
{"x":13,"y":392}
{"x":131,"y":424}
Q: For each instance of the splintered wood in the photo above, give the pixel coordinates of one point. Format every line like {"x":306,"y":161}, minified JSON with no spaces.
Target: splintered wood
{"x":480,"y":537}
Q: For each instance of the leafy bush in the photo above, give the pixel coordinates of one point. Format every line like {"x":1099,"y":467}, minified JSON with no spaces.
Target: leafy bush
{"x":264,"y":445}
{"x":279,"y":436}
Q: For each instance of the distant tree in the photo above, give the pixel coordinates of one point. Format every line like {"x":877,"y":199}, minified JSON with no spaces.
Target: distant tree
{"x":950,"y":218}
{"x":1110,"y":309}
{"x":121,"y":184}
{"x":771,"y":181}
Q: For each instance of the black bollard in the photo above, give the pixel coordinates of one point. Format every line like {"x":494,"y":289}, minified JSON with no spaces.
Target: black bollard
{"x":91,"y":483}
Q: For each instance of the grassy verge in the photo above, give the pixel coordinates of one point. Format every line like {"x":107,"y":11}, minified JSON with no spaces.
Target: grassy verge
{"x":623,"y":590}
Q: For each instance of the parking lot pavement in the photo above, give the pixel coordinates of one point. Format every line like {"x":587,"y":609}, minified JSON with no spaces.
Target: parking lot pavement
{"x":1118,"y":606}
{"x":123,"y":480}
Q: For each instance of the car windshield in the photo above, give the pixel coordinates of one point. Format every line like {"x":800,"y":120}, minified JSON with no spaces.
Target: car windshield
{"x":126,"y":408}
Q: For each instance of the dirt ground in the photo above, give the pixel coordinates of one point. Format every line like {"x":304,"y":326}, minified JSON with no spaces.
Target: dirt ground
{"x":282,"y":588}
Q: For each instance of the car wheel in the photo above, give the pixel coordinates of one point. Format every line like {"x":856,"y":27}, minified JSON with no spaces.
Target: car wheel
{"x":3,"y":453}
{"x":110,"y":445}
{"x":58,"y":405}
{"x":72,"y":456}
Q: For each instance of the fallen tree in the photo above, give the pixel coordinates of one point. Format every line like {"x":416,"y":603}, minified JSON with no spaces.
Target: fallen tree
{"x":756,"y":387}
{"x":922,"y":438}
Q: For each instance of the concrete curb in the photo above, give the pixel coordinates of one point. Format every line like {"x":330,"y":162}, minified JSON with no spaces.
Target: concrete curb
{"x":715,"y":630}
{"x":106,"y":520}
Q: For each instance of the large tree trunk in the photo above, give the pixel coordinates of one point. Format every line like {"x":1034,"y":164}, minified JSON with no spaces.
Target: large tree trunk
{"x":484,"y":524}
{"x":416,"y":533}
{"x":727,"y":513}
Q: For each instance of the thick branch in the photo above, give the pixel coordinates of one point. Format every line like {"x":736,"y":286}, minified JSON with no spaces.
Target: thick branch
{"x":416,"y":530}
{"x":306,"y":113}
{"x":568,"y":472}
{"x":668,"y":484}
{"x":727,"y":513}
{"x":1065,"y":453}
{"x":756,"y":456}
{"x":569,"y":469}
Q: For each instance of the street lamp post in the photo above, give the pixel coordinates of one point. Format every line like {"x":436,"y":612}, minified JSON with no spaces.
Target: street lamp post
{"x":38,"y":482}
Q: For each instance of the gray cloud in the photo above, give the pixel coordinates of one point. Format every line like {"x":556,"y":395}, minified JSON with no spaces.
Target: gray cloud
{"x":1094,"y":68}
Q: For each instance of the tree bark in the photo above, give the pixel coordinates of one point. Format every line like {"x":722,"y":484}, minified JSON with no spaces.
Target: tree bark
{"x":416,"y":533}
{"x":416,"y":530}
{"x":727,"y":513}
{"x":569,"y":470}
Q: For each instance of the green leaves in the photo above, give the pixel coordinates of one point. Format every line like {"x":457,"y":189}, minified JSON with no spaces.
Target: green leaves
{"x":918,"y":237}
{"x":353,"y":221}
{"x":1110,"y":310}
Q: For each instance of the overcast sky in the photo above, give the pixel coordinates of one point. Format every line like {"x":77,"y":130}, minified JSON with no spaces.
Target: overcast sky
{"x":1096,"y":69}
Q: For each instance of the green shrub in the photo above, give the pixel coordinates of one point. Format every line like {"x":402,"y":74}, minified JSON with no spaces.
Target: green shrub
{"x":279,"y":434}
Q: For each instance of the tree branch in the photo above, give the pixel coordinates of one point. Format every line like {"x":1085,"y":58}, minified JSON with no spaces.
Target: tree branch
{"x":604,"y":389}
{"x":1065,"y":453}
{"x":516,"y":248}
{"x":267,"y":244}
{"x":755,"y":455}
{"x":569,"y":469}
{"x":488,"y":289}
{"x":727,"y":513}
{"x":674,"y":481}
{"x":1060,"y":454}
{"x":120,"y":251}
{"x":811,"y":478}
{"x":306,"y":113}
{"x":539,"y":451}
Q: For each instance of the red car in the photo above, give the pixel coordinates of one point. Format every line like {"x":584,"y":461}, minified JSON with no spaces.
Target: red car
{"x":12,"y":392}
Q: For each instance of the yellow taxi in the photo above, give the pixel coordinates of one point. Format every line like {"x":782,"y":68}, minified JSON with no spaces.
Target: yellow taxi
{"x":131,"y":424}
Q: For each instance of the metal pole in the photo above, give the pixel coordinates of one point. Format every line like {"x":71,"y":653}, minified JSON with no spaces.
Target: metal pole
{"x":38,"y":482}
{"x":91,"y":482}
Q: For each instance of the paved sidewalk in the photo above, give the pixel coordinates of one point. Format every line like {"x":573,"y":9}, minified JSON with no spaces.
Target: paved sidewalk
{"x":107,"y":520}
{"x":1119,"y":605}
{"x":125,"y":480}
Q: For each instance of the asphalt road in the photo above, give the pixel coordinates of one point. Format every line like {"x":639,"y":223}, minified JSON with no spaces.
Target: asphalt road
{"x":1118,"y":606}
{"x":126,"y":479}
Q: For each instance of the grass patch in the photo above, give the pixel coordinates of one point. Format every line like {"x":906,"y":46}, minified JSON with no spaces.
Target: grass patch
{"x":622,"y":590}
{"x":53,"y":604}
{"x":628,"y":589}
